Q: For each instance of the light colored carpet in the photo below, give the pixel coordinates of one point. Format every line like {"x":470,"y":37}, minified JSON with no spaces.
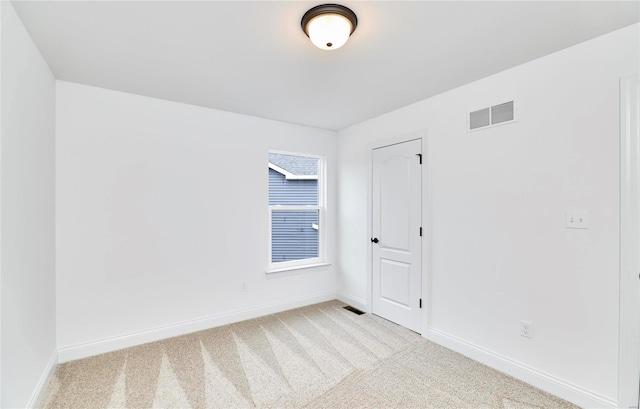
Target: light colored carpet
{"x":321,"y":356}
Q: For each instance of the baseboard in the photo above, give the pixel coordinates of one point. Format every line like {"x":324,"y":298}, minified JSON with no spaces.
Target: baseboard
{"x":353,"y":301}
{"x":142,"y":337}
{"x":549,"y":383}
{"x":43,"y":382}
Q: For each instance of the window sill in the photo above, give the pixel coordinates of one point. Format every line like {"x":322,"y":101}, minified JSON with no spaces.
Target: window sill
{"x":293,"y":268}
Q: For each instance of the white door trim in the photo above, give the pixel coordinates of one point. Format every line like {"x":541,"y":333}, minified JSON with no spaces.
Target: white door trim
{"x":421,"y":134}
{"x":629,"y":348}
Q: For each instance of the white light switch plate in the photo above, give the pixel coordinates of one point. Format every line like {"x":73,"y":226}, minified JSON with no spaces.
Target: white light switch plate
{"x":576,"y":219}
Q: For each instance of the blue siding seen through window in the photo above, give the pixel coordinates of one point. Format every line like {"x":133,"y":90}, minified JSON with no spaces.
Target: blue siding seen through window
{"x":291,"y":192}
{"x":294,"y":232}
{"x":293,"y":236}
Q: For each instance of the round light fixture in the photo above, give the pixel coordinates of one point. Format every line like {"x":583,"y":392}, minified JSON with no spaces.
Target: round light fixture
{"x":329,"y":25}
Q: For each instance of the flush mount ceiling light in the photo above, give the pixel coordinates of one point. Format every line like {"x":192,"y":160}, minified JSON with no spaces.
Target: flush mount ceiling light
{"x":329,"y":25}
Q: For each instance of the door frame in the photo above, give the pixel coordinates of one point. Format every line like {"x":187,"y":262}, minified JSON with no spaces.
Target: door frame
{"x":629,"y":340}
{"x":422,"y":135}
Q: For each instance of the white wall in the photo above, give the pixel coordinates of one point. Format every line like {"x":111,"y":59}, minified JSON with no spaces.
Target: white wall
{"x":499,"y":252}
{"x":27,"y":317}
{"x":162,"y":213}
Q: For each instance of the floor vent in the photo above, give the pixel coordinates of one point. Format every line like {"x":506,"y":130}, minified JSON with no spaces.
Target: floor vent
{"x":491,"y":116}
{"x":353,"y":310}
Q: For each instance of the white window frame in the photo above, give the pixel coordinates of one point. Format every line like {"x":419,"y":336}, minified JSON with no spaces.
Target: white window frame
{"x":320,"y":207}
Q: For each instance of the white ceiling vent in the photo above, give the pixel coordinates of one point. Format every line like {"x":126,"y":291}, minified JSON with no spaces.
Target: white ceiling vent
{"x":488,"y":117}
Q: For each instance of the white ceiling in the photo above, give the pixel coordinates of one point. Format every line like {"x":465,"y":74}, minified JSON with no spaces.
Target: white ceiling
{"x":253,"y":58}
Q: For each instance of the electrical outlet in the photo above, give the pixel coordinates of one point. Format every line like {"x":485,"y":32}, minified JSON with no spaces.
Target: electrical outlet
{"x":576,"y":219}
{"x":526,"y":329}
{"x":243,"y":286}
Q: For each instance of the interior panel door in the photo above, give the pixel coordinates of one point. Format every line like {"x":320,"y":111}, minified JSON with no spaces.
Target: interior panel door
{"x":396,"y":228}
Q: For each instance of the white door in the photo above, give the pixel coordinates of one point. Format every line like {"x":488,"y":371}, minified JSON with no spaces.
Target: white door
{"x":397,"y":231}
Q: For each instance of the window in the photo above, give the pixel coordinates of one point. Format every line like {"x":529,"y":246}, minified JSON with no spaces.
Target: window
{"x":296,"y":210}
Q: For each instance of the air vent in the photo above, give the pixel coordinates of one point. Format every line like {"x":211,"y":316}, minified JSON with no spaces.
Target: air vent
{"x":496,"y":115}
{"x":502,"y":113}
{"x":480,"y":118}
{"x":353,"y":310}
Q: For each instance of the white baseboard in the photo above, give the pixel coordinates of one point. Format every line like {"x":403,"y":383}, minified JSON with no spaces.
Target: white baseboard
{"x":43,"y":382}
{"x":353,"y":301}
{"x":549,"y":383}
{"x":142,"y":337}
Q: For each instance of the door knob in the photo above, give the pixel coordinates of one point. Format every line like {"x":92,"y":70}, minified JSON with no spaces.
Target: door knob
{"x":374,"y":240}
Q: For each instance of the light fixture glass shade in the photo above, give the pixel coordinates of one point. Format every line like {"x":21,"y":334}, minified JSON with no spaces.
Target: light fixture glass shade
{"x":329,"y":31}
{"x":329,"y":25}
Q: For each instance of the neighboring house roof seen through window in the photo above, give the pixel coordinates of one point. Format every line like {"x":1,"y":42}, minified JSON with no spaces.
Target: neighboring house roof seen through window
{"x":294,"y":167}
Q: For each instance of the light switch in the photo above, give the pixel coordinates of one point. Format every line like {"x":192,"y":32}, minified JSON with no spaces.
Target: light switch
{"x":576,"y":219}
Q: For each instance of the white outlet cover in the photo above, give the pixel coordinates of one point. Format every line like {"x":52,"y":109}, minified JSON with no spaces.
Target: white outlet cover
{"x":576,"y":219}
{"x":526,"y":329}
